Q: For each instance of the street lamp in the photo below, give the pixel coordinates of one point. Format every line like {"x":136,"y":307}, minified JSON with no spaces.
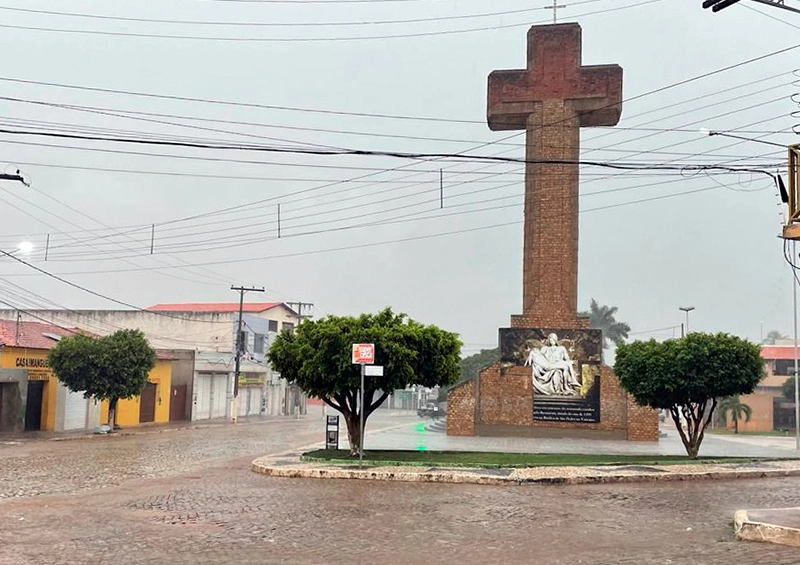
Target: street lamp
{"x":686,"y":309}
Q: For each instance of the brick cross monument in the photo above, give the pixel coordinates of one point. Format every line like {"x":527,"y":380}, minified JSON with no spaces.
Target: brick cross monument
{"x":551,"y":100}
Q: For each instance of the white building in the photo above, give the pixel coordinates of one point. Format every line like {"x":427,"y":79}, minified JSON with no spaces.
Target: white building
{"x":209,"y":329}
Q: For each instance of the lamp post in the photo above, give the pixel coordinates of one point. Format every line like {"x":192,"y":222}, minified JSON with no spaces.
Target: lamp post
{"x":686,"y":309}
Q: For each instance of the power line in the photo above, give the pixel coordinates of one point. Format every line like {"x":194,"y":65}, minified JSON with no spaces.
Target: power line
{"x":93,"y":292}
{"x":279,"y":24}
{"x":394,"y":241}
{"x":366,"y":114}
{"x":302,"y":39}
{"x":364,"y":152}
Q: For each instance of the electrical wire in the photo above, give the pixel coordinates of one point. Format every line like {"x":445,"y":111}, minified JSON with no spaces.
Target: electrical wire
{"x":106,"y":33}
{"x":282,"y":24}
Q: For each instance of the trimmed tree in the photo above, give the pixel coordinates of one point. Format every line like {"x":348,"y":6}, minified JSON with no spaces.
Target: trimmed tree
{"x":317,"y":357}
{"x":109,"y":368}
{"x":686,"y":377}
{"x":737,"y":409}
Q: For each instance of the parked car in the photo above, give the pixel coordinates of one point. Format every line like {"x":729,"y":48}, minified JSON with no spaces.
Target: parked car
{"x":430,"y":410}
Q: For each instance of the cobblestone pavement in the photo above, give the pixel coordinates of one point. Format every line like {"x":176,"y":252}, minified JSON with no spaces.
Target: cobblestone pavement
{"x":189,"y":497}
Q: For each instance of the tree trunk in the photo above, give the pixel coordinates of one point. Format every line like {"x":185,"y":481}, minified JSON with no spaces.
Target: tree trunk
{"x":696,"y":418}
{"x":353,"y":432}
{"x":735,"y":424}
{"x":112,"y":413}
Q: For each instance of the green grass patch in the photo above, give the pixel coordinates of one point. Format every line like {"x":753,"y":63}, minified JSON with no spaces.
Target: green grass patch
{"x":488,"y":459}
{"x":776,"y":433}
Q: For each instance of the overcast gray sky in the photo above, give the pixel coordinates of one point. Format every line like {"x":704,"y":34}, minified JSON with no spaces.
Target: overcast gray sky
{"x":715,"y":248}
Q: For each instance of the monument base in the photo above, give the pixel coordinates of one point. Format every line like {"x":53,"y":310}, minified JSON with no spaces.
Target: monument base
{"x":501,"y":402}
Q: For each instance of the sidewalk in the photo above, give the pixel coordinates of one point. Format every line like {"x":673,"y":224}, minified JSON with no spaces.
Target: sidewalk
{"x":291,"y":465}
{"x":778,"y":525}
{"x":151,"y":428}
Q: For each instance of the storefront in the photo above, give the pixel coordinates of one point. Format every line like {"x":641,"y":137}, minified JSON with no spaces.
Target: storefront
{"x":151,"y":406}
{"x":32,"y":397}
{"x":251,"y":394}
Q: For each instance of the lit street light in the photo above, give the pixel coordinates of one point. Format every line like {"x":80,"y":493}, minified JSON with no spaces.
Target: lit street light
{"x":686,"y":309}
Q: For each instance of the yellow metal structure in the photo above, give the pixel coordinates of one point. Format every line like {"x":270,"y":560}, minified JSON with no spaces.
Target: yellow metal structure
{"x":792,"y":228}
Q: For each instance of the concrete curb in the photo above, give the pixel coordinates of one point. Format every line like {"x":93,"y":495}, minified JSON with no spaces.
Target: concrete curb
{"x":756,"y":529}
{"x":290,"y":466}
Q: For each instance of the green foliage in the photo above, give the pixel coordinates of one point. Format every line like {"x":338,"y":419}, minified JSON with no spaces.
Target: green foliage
{"x":317,"y":356}
{"x":470,"y":366}
{"x":787,"y":389}
{"x":108,"y":368}
{"x":603,"y":318}
{"x":692,"y":369}
{"x":737,"y":409}
{"x":685,"y":375}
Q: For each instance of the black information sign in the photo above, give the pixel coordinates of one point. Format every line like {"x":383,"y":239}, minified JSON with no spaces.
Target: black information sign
{"x":332,"y":432}
{"x":584,"y":409}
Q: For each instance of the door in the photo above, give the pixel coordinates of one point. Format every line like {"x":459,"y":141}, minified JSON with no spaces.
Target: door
{"x":255,"y":401}
{"x":244,"y":401}
{"x":75,"y":411}
{"x":219,"y":395}
{"x":203,"y":397}
{"x":177,"y":403}
{"x":147,"y":405}
{"x":33,"y":406}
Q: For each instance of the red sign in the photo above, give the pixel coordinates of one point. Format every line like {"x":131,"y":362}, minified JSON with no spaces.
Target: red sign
{"x":363,"y":353}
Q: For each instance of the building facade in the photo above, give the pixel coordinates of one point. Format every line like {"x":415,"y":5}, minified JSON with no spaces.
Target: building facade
{"x":770,"y":410}
{"x":208,"y":332}
{"x":33,"y":399}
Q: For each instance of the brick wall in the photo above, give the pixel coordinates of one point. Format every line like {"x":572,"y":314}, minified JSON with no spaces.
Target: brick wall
{"x":505,"y":397}
{"x":642,"y":422}
{"x":461,"y":409}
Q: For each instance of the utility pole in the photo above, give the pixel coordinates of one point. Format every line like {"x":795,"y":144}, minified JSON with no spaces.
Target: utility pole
{"x":686,"y":309}
{"x":301,"y":308}
{"x":796,"y":392}
{"x":240,"y":345}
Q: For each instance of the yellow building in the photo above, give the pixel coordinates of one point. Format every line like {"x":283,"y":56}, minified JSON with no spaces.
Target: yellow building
{"x":152,"y":405}
{"x":32,"y":398}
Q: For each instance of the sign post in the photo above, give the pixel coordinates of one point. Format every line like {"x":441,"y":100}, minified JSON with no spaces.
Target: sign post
{"x":332,"y":433}
{"x":363,"y":354}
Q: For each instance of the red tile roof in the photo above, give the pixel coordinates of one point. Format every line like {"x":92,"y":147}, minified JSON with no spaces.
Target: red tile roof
{"x":213,"y":307}
{"x":31,"y":334}
{"x":778,"y":351}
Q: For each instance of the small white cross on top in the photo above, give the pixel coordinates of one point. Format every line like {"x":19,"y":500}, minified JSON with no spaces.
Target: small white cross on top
{"x":555,"y":8}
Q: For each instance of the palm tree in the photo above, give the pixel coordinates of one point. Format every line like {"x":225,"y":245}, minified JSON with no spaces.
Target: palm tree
{"x":773,"y":336}
{"x":737,"y":409}
{"x":602,"y":318}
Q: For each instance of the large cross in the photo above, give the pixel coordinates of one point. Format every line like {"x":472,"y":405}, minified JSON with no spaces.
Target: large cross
{"x":555,"y":8}
{"x":552,"y":99}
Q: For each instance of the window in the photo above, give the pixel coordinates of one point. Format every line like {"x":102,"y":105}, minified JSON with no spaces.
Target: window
{"x":258,"y":343}
{"x":273,"y":326}
{"x":288,"y":326}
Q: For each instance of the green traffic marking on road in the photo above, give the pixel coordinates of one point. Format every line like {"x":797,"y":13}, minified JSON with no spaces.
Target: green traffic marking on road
{"x":421,"y":427}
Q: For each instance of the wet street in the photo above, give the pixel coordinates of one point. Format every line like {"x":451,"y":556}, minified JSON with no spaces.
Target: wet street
{"x":189,"y":497}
